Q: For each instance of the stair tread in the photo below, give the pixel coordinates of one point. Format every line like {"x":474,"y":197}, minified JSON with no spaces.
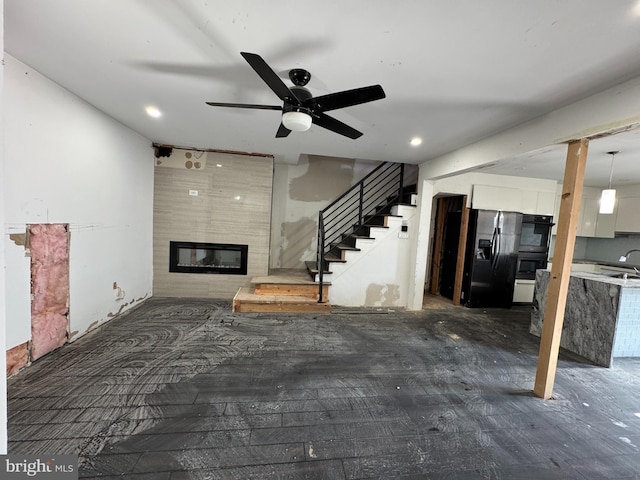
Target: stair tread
{"x":383,"y":215}
{"x":311,"y":267}
{"x":281,"y":280}
{"x":343,"y":246}
{"x":246,"y":294}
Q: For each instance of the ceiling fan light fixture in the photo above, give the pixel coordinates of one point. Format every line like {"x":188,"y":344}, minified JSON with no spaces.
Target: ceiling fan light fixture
{"x":296,"y":121}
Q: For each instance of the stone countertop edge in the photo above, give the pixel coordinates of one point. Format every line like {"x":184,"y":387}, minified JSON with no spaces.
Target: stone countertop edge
{"x":600,"y":277}
{"x":627,"y":265}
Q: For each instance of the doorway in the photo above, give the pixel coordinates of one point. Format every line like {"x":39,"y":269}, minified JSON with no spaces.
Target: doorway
{"x":447,"y":256}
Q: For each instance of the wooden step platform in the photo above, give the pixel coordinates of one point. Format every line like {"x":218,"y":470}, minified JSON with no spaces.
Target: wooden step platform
{"x":246,"y":300}
{"x":282,"y":291}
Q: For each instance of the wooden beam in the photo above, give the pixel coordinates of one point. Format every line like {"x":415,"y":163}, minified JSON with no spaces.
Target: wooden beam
{"x":441,"y":214}
{"x":464,"y":227}
{"x":561,"y":267}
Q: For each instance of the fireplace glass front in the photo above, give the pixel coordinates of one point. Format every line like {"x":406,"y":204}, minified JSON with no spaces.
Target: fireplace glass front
{"x":221,"y":258}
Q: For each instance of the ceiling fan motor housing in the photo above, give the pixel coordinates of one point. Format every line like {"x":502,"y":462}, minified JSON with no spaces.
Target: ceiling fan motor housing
{"x":301,"y":93}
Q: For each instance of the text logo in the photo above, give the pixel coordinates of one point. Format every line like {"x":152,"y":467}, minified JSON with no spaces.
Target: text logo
{"x":54,"y":467}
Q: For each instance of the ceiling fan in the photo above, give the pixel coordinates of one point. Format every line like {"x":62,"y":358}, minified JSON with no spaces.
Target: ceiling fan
{"x":300,"y":109}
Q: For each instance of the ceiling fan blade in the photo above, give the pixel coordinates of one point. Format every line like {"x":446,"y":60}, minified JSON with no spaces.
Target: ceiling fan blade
{"x":244,"y":105}
{"x":348,"y":98}
{"x":271,"y":78}
{"x":334,"y":125}
{"x":282,"y":131}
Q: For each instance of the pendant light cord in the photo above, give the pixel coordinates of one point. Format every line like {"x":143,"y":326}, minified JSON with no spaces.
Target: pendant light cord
{"x":613,"y":154}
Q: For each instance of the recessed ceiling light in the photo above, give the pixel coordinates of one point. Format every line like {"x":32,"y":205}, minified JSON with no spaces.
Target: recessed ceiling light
{"x":153,"y":112}
{"x":415,"y":141}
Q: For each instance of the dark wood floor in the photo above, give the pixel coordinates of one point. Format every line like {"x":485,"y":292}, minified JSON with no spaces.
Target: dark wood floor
{"x":181,"y":389}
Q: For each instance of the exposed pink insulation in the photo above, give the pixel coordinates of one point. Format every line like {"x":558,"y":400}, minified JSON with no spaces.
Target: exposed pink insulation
{"x":17,"y":357}
{"x":49,"y":246}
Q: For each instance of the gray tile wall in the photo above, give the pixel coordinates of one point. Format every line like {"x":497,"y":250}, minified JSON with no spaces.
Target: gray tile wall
{"x":232,"y":205}
{"x":627,"y":338}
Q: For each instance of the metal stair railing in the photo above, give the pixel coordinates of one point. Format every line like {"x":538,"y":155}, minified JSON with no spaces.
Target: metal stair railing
{"x":356,"y":208}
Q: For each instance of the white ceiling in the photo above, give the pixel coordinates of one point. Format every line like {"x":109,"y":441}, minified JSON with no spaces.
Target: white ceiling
{"x":454,"y":71}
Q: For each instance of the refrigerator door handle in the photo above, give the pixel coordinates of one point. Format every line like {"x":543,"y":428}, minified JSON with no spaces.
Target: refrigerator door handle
{"x":495,"y":246}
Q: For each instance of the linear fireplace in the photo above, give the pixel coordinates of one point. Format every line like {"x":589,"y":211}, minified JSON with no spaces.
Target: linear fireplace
{"x":220,"y":258}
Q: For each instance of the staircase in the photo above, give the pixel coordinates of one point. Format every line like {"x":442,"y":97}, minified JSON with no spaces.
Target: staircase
{"x":347,"y":227}
{"x":354,"y":219}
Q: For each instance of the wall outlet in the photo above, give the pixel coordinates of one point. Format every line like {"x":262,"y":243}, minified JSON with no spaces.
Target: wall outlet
{"x":193,"y":193}
{"x":403,"y":234}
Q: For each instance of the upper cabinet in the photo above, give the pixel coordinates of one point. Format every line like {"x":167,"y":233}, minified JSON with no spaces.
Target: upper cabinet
{"x":491,"y":197}
{"x":628,"y":217}
{"x":590,"y":222}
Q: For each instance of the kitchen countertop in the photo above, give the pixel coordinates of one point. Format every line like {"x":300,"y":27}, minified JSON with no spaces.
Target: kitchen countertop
{"x":592,"y":313}
{"x":627,"y":265}
{"x":603,"y":277}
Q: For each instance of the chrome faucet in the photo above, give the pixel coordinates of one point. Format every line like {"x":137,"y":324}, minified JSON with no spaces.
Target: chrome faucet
{"x":624,"y":257}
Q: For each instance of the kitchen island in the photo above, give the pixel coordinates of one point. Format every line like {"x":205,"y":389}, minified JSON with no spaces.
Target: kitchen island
{"x":602,"y":315}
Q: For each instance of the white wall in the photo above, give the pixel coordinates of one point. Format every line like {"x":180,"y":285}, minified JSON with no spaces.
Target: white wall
{"x":377,"y":274}
{"x":3,"y":323}
{"x":67,"y":162}
{"x":299,"y":193}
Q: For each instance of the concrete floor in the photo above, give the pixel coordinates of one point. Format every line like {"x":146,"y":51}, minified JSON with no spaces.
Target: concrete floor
{"x":185,"y":389}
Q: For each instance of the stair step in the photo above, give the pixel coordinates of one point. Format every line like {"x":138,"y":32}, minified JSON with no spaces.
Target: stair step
{"x":352,"y":238}
{"x":312,"y":268}
{"x":340,"y":249}
{"x":247,"y":301}
{"x":309,"y":290}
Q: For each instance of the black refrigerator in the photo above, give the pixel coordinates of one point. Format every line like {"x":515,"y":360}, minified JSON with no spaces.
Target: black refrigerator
{"x":491,"y":258}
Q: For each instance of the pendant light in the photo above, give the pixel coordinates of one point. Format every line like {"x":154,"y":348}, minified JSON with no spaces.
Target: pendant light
{"x":608,"y":196}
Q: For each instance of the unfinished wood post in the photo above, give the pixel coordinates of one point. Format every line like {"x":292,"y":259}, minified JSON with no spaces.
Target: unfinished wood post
{"x":462,"y":244}
{"x":436,"y":262}
{"x":561,"y":267}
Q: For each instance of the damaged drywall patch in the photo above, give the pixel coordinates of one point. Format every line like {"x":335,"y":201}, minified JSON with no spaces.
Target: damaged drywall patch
{"x":325,"y":179}
{"x":122,"y":307}
{"x":20,"y":239}
{"x":298,"y":242}
{"x":120,"y":293}
{"x":382,"y":295}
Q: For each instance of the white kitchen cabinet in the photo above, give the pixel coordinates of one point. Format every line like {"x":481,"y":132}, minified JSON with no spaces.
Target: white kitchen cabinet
{"x":489,"y":197}
{"x":588,"y":216}
{"x":606,"y":224}
{"x":628,"y":215}
{"x":523,"y":291}
{"x":537,"y":203}
{"x":529,"y":201}
{"x":546,"y":203}
{"x":590,"y":222}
